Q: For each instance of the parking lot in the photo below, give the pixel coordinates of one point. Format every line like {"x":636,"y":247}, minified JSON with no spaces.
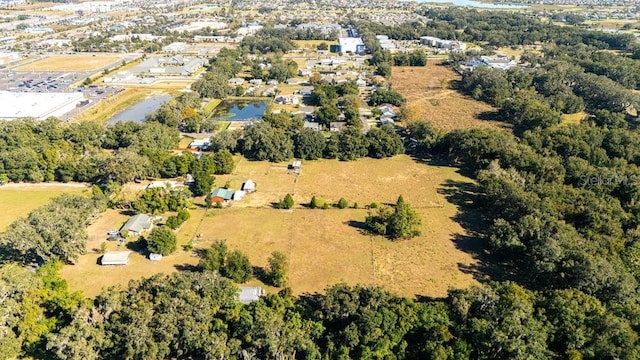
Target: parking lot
{"x":45,"y":82}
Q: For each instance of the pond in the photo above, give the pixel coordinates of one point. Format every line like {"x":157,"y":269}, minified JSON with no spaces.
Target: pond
{"x":240,"y":110}
{"x":473,"y":3}
{"x":138,"y":111}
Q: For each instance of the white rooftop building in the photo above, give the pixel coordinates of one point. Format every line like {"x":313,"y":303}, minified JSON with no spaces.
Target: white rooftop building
{"x":40,"y":106}
{"x":353,"y":45}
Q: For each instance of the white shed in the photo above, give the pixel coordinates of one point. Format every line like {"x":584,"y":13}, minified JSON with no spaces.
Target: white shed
{"x":249,"y":186}
{"x":155,"y":257}
{"x":238,"y":195}
{"x":115,"y":258}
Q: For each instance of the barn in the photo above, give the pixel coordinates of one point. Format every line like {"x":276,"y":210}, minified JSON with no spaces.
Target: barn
{"x":221,"y":195}
{"x":115,"y":258}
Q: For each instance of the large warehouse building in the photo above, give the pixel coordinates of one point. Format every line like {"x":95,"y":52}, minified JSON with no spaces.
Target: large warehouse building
{"x":40,"y":106}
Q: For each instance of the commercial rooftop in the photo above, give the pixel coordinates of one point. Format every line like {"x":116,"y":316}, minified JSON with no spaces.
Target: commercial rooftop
{"x":37,"y":105}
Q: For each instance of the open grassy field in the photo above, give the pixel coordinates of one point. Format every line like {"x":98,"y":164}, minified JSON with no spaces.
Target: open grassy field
{"x":20,"y":199}
{"x":71,"y":63}
{"x":573,"y":118}
{"x":430,"y":96}
{"x":312,"y":44}
{"x":323,"y":246}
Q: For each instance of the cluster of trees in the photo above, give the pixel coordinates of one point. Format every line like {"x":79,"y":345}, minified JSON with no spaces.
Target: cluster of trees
{"x":197,"y":314}
{"x":537,"y":99}
{"x":334,"y":101}
{"x":281,"y":136}
{"x":497,"y":29}
{"x":174,"y":221}
{"x":184,"y":112}
{"x":399,"y":222}
{"x":56,"y":231}
{"x":215,"y":81}
{"x":276,"y":69}
{"x":268,"y":40}
{"x":233,"y":265}
{"x":51,"y":150}
{"x":158,"y":200}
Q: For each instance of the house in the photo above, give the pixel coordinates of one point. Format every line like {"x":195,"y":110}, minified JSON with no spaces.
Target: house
{"x":221,"y":195}
{"x":306,"y":91}
{"x":312,"y":125}
{"x":236,"y":81}
{"x":286,"y":100}
{"x":115,"y":258}
{"x":304,"y":72}
{"x":256,"y":82}
{"x":387,"y":111}
{"x":200,"y":144}
{"x":249,"y":186}
{"x":250,"y":294}
{"x":294,"y":81}
{"x":137,"y":224}
{"x":272,"y":82}
{"x":337,"y":126}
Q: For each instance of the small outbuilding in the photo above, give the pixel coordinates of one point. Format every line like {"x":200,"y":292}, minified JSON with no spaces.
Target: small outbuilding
{"x":115,"y":258}
{"x":238,"y":195}
{"x":249,"y":294}
{"x":155,"y":257}
{"x":249,"y":186}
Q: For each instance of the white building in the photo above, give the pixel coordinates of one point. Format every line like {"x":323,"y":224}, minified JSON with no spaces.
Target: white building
{"x":352,"y":45}
{"x":40,"y":106}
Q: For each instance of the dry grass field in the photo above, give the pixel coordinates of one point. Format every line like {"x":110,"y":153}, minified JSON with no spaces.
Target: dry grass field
{"x":430,"y":96}
{"x":71,"y":63}
{"x":323,"y":246}
{"x":19,"y":200}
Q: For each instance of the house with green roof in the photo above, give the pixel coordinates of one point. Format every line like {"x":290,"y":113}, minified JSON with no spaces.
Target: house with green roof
{"x":221,"y":195}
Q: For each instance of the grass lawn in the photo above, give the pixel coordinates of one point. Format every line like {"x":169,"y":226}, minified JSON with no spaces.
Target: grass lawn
{"x":72,"y":63}
{"x":573,"y":118}
{"x":323,"y":246}
{"x":430,"y":96}
{"x":20,"y":199}
{"x":210,"y":106}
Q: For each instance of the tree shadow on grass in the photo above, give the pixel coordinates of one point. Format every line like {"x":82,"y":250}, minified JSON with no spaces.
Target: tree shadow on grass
{"x":260,"y":273}
{"x":487,"y":267}
{"x":186,"y":267}
{"x":360,"y":225}
{"x":139,"y":246}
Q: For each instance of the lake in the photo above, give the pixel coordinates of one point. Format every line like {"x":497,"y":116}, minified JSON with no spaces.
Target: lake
{"x":473,"y":3}
{"x":240,"y":110}
{"x":138,"y":111}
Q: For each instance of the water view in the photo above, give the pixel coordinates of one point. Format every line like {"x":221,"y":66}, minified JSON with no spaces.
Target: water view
{"x":240,"y":110}
{"x":138,"y":111}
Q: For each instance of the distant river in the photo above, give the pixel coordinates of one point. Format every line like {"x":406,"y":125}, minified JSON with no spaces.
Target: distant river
{"x":471,"y":3}
{"x":138,"y":111}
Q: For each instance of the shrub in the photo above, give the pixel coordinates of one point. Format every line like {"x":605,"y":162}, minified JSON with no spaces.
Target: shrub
{"x":342,"y":203}
{"x":287,"y":202}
